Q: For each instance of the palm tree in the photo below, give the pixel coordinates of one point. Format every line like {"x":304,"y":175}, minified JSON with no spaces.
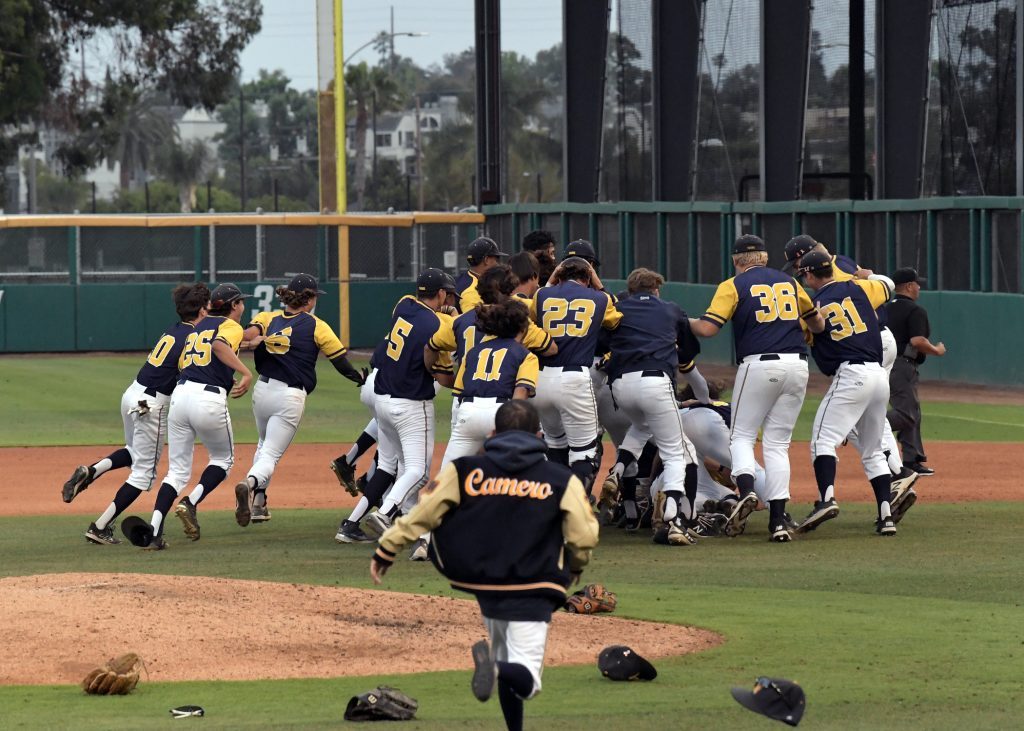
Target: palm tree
{"x":184,"y":165}
{"x":139,"y":126}
{"x":365,"y":86}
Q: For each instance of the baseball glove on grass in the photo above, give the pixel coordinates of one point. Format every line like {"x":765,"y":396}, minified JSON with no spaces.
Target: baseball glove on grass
{"x":591,"y":599}
{"x":118,"y":676}
{"x":381,"y":704}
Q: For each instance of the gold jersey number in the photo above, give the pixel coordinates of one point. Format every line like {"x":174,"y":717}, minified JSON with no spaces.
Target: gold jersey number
{"x":396,"y":340}
{"x":198,"y":349}
{"x":279,"y":343}
{"x":488,"y":364}
{"x":159,"y":353}
{"x":567,"y":318}
{"x":778,"y":301}
{"x":843,"y":319}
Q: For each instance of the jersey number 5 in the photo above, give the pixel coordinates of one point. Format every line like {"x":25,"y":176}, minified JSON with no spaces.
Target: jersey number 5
{"x":198,"y":349}
{"x":396,"y":340}
{"x":778,"y":301}
{"x":843,"y":319}
{"x":556,"y":312}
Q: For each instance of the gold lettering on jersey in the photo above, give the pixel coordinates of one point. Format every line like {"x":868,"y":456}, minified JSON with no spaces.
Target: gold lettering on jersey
{"x":477,"y":484}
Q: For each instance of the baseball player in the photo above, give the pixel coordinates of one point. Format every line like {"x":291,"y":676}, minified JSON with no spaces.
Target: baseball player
{"x":572,"y":311}
{"x":541,"y":244}
{"x":144,"y":413}
{"x":645,"y":351}
{"x":514,"y":530}
{"x":527,"y":273}
{"x":766,"y":308}
{"x":199,"y":409}
{"x":498,"y":369}
{"x":289,"y":342}
{"x":404,"y":403}
{"x":849,"y":350}
{"x":482,"y":254}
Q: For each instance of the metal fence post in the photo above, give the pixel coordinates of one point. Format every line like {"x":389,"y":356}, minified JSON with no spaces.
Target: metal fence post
{"x":391,"y":253}
{"x":662,"y":228}
{"x":932,"y":242}
{"x":693,"y":268}
{"x":74,"y":274}
{"x":515,"y":227}
{"x":974,"y":249}
{"x":985,"y":253}
{"x":1020,"y":252}
{"x":322,"y":255}
{"x":890,"y":241}
{"x":197,"y":251}
{"x":259,"y":253}
{"x":414,"y":254}
{"x":564,"y":224}
{"x":850,"y":227}
{"x":213,"y":253}
{"x":624,"y":244}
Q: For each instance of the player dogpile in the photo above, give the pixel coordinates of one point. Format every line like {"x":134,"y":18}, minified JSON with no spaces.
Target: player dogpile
{"x":592,"y":363}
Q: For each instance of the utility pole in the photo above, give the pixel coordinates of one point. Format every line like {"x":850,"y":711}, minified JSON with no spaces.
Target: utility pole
{"x":419,"y":153}
{"x":241,"y":140}
{"x":391,"y":58}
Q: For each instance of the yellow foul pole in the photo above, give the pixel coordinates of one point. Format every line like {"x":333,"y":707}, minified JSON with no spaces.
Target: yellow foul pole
{"x":342,"y":202}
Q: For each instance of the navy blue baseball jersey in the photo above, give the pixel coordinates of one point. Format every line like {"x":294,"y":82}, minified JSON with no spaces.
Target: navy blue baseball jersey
{"x":851,"y":328}
{"x":401,"y":372}
{"x":494,"y":368}
{"x":464,"y":334}
{"x":652,"y":335}
{"x":291,"y":345}
{"x":573,"y":315}
{"x":765,"y":307}
{"x":722,"y":408}
{"x":466,"y":289}
{"x":198,"y":363}
{"x":160,"y":371}
{"x":843,"y":263}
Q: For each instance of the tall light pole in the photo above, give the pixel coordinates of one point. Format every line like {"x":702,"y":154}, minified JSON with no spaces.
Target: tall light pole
{"x":390,"y":36}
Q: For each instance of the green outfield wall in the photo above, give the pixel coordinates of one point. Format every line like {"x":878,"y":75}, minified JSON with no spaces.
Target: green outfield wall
{"x":981,"y":330}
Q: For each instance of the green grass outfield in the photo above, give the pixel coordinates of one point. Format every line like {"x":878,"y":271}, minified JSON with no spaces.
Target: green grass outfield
{"x":75,"y":399}
{"x":923,"y":631}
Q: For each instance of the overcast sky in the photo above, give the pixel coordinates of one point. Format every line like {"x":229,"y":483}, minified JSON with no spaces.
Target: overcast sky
{"x":288,"y":38}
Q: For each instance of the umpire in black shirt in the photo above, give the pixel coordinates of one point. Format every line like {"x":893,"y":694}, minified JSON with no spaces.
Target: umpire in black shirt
{"x":908,"y":322}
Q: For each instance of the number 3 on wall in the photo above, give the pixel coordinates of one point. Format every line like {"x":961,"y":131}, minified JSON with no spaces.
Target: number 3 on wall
{"x":263,"y":298}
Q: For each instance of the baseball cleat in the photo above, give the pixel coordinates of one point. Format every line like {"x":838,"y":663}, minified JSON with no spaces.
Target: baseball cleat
{"x":346,"y":475}
{"x":738,"y":518}
{"x":350,"y":532}
{"x":708,"y":525}
{"x":157,"y":544}
{"x":243,"y":503}
{"x":921,"y":469}
{"x":186,"y":513}
{"x":419,"y":550}
{"x":485,"y":671}
{"x":885,"y":526}
{"x":677,"y":535}
{"x":823,"y":510}
{"x":904,"y":480}
{"x":105,"y":536}
{"x":378,"y":522}
{"x":901,"y":503}
{"x":80,"y":479}
{"x":780,"y":534}
{"x":260,"y":513}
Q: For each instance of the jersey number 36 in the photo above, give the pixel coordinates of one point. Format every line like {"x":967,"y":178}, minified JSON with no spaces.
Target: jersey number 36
{"x":778,"y":301}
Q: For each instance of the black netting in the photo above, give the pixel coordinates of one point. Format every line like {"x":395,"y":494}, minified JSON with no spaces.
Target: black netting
{"x":35,"y":254}
{"x":971,"y":110}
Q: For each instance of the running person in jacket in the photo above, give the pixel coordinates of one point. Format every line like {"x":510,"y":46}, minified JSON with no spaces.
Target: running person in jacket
{"x":535,"y":516}
{"x":144,"y":407}
{"x":199,"y":409}
{"x":288,"y":343}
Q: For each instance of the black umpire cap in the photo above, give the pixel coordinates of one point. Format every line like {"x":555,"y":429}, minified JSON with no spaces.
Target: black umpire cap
{"x":778,"y":699}
{"x":906,"y":275}
{"x":481,"y":248}
{"x":302,"y":282}
{"x":430,"y":281}
{"x":584,"y":250}
{"x":748,"y":242}
{"x":225,"y":293}
{"x":814,"y":261}
{"x":798,"y":246}
{"x":619,"y":662}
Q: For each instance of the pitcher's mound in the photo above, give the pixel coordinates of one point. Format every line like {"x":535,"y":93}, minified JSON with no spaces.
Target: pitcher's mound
{"x":60,"y":626}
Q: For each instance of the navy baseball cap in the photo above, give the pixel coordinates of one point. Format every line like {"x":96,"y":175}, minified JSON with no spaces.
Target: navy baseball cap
{"x":482,"y":247}
{"x":583,"y":249}
{"x":449,"y":284}
{"x":619,"y":662}
{"x":302,"y":282}
{"x":224,"y":293}
{"x":798,"y":246}
{"x":778,"y":699}
{"x":814,"y":261}
{"x":906,"y":275}
{"x":748,"y":242}
{"x":430,"y":280}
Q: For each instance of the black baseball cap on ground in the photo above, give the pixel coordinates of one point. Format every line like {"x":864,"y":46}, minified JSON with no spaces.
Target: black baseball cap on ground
{"x":583,"y":249}
{"x":431,"y":280}
{"x":619,"y":662}
{"x":906,"y":275}
{"x":302,"y":282}
{"x":227,"y":292}
{"x":482,"y":247}
{"x":776,"y":698}
{"x":748,"y":242}
{"x":813,"y":261}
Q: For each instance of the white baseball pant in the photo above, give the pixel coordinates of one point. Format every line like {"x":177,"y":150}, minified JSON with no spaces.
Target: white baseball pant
{"x":523,"y":643}
{"x":709,"y":434}
{"x":367,"y":395}
{"x":197,"y":411}
{"x":767,"y":396}
{"x":650,"y":403}
{"x":144,"y":433}
{"x":614,"y":421}
{"x":406,"y":432}
{"x":568,"y":411}
{"x":474,"y":424}
{"x":889,"y":443}
{"x":858,"y":397}
{"x":278,"y":410}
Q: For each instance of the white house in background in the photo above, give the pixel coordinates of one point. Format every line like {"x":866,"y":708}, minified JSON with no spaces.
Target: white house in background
{"x":395,"y":132}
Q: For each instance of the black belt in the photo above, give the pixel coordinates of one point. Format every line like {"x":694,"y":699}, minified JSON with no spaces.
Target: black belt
{"x":267,"y":379}
{"x":150,"y":392}
{"x":464,"y":399}
{"x":776,"y":356}
{"x":578,"y":369}
{"x":652,"y":374}
{"x":211,"y":389}
{"x":855,"y":362}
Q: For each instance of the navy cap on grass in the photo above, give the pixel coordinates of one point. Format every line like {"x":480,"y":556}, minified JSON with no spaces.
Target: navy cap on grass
{"x":619,"y":662}
{"x":776,"y":698}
